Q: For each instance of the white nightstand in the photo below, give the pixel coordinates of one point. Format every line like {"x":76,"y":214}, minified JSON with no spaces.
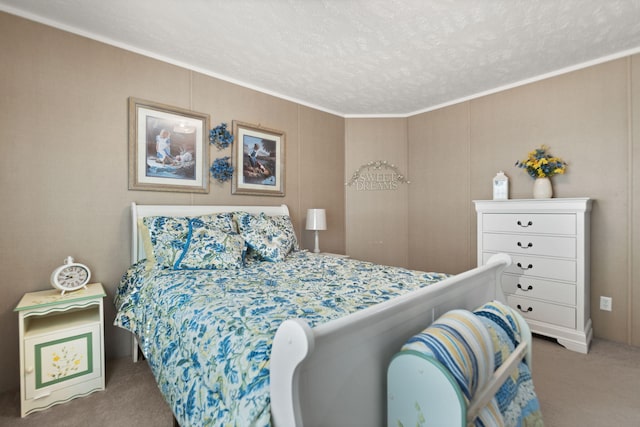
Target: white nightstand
{"x":61,"y":346}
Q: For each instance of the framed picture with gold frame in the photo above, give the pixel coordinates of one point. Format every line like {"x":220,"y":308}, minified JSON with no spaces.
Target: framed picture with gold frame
{"x":259,"y":161}
{"x":168,"y":148}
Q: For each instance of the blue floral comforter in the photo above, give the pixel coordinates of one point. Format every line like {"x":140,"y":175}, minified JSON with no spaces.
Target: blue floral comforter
{"x":207,"y":334}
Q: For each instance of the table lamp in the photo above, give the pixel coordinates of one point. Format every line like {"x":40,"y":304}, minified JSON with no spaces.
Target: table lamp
{"x":316,"y":220}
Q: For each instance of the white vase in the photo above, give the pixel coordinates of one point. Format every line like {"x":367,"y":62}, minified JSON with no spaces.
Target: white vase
{"x":542,"y":188}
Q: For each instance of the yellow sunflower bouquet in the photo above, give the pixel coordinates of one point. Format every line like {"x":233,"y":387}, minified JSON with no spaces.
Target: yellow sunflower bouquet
{"x":541,"y":164}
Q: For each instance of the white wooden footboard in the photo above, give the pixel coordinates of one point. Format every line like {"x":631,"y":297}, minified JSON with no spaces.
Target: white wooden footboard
{"x":335,"y":374}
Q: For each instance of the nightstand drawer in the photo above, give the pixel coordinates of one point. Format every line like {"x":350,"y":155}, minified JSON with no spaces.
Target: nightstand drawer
{"x":530,"y":223}
{"x":543,"y":311}
{"x":56,"y":361}
{"x":555,"y":246}
{"x":549,"y":268}
{"x":561,"y":293}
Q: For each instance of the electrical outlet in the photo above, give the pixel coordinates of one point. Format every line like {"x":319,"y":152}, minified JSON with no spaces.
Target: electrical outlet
{"x":606,"y":303}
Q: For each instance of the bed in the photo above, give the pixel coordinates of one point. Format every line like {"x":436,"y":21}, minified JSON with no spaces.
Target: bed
{"x":315,"y":361}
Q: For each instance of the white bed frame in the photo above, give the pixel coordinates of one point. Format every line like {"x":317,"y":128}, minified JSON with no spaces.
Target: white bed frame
{"x":335,"y":373}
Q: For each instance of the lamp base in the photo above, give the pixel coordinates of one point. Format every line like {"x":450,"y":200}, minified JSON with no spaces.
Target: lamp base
{"x":316,"y":249}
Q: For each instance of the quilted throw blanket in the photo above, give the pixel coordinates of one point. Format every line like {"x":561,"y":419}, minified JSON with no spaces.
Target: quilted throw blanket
{"x":207,"y":334}
{"x":472,"y":346}
{"x":516,"y":398}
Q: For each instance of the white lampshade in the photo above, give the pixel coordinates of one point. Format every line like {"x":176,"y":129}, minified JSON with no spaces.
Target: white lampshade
{"x":316,"y":219}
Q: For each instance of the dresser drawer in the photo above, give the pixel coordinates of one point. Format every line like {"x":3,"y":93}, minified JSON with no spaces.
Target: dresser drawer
{"x":530,"y":223}
{"x":543,"y":311}
{"x":530,"y":244}
{"x":561,"y":293}
{"x":532,"y":266}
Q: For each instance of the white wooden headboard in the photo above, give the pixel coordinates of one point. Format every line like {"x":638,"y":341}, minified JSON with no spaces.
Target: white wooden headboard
{"x":141,"y":211}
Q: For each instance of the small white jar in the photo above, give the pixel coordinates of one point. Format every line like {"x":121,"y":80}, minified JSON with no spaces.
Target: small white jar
{"x":500,"y":186}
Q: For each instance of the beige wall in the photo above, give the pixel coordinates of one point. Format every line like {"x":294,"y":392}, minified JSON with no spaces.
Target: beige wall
{"x":584,"y":117}
{"x":439,"y":193}
{"x":633,"y":282}
{"x":63,"y":169}
{"x":322,"y":177}
{"x":588,"y":117}
{"x":377,"y":220}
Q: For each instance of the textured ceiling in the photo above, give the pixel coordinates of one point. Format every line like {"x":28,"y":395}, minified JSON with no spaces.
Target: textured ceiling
{"x":359,"y":57}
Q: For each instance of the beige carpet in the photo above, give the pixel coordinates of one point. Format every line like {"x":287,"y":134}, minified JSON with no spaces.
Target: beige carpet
{"x":599,"y":389}
{"x":131,"y":399}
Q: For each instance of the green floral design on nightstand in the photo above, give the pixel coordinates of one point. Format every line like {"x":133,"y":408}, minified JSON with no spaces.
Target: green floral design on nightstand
{"x":65,"y":363}
{"x":63,"y":359}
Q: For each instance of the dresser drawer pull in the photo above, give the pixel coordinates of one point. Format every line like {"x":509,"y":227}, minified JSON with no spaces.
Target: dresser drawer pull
{"x":530,"y":245}
{"x":529,"y":224}
{"x":529,"y":267}
{"x":529,"y":288}
{"x":524,"y":311}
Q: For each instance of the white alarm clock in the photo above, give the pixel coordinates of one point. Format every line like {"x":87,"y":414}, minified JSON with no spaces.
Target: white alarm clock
{"x":71,"y":276}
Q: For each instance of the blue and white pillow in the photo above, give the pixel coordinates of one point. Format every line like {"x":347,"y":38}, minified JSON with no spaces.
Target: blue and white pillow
{"x":210,"y":249}
{"x":283,"y":222}
{"x":263,"y":236}
{"x":164,"y":237}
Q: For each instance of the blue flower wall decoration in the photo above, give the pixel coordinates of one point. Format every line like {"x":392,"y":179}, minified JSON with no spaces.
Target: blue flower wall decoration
{"x":221,"y":169}
{"x":220,"y":136}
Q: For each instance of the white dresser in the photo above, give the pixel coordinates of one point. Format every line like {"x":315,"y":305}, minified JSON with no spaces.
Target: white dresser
{"x":548,"y":281}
